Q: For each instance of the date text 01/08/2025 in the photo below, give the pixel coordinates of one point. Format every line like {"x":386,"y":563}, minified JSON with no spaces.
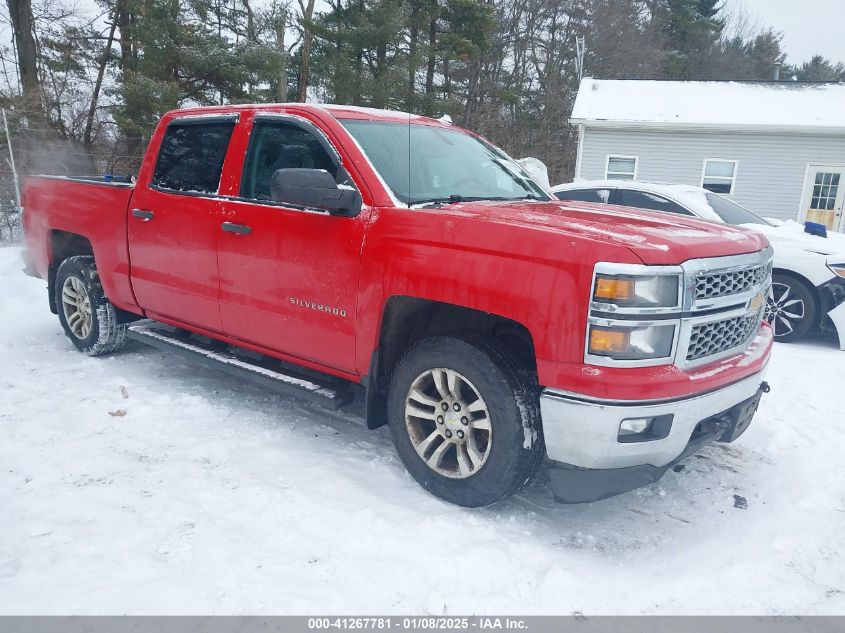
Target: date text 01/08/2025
{"x":427,"y":623}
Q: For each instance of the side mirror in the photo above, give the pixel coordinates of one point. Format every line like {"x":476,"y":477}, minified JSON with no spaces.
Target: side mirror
{"x":314,"y":188}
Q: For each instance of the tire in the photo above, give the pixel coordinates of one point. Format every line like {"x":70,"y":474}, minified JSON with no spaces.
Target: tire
{"x":790,"y":308}
{"x":494,"y":391}
{"x":87,"y":317}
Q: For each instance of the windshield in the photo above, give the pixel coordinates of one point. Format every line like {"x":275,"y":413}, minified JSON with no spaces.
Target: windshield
{"x":423,"y":163}
{"x":731,"y":212}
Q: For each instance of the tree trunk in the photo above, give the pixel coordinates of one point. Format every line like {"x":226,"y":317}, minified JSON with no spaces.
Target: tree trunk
{"x":20,"y":15}
{"x":95,"y":95}
{"x":128,"y":65}
{"x":379,"y":89}
{"x":307,"y":38}
{"x":250,"y":33}
{"x":412,"y":56}
{"x":250,"y":22}
{"x":432,"y":61}
{"x":282,"y":85}
{"x":124,"y":23}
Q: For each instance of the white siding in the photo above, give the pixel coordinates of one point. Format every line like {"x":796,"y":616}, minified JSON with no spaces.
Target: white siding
{"x":770,"y":174}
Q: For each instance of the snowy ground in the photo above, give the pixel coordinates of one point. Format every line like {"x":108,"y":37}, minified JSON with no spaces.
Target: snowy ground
{"x":141,"y":484}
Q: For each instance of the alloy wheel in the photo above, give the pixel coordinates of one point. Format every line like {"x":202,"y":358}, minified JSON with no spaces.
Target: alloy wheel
{"x":448,"y":423}
{"x":77,"y":307}
{"x":784,"y":311}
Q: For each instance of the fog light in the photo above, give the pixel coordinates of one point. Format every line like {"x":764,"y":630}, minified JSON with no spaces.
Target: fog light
{"x":635,"y":426}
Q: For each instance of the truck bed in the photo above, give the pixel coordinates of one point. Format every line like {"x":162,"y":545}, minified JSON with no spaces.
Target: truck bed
{"x":56,"y":206}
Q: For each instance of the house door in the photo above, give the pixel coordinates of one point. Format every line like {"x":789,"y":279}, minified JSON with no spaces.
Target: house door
{"x":824,"y":194}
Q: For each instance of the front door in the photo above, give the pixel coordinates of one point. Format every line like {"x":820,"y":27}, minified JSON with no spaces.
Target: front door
{"x":174,"y":224}
{"x":824,"y":194}
{"x":289,"y":278}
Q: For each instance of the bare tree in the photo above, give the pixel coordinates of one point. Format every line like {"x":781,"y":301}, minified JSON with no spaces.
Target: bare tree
{"x":279,"y":21}
{"x":101,"y":71}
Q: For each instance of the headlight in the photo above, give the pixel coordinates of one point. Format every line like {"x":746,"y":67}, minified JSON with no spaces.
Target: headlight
{"x":631,"y":343}
{"x":637,"y":291}
{"x":837,"y":269}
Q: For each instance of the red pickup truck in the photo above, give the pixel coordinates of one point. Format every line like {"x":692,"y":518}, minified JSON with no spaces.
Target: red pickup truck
{"x":336,"y":252}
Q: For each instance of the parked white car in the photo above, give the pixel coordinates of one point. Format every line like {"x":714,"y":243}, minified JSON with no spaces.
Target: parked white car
{"x":808,"y":282}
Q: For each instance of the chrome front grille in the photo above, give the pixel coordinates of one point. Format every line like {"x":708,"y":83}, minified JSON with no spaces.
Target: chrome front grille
{"x":725,"y":297}
{"x":722,"y":284}
{"x":717,"y":314}
{"x":712,"y":338}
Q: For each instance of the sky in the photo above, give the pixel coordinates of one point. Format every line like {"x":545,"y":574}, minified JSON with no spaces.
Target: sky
{"x":809,"y":27}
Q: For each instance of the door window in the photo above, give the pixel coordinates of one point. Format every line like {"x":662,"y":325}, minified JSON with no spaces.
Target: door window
{"x":825,"y":191}
{"x":585,"y":195}
{"x":646,"y":200}
{"x":276,"y":145}
{"x":191,"y":156}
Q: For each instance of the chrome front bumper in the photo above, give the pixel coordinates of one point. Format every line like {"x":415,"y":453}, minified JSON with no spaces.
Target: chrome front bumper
{"x":584,"y":433}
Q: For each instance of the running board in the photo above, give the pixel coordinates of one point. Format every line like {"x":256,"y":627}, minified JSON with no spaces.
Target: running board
{"x":266,"y":371}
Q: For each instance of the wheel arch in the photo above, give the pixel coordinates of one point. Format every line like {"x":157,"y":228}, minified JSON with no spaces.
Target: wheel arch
{"x":406,"y":320}
{"x":63,"y":244}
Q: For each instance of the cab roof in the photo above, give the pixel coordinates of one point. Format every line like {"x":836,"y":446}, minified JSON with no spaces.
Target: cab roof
{"x":340,"y":112}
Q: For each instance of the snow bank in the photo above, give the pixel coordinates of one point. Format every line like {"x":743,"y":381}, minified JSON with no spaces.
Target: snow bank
{"x":141,"y":484}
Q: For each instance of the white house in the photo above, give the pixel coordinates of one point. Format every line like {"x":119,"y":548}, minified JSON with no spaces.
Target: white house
{"x":777,"y":148}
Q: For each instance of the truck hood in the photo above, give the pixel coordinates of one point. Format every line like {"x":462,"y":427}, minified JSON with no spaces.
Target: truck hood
{"x":791,"y":233}
{"x":655,"y":238}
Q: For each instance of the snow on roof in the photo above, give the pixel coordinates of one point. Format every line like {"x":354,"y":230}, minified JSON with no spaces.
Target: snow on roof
{"x":711,"y":104}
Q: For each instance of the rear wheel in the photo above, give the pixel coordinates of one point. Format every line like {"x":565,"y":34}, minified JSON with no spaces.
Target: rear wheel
{"x":87,"y":317}
{"x":790,"y":308}
{"x":465,"y":420}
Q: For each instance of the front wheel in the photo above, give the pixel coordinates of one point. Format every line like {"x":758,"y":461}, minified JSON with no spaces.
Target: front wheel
{"x":790,"y":308}
{"x":87,"y":317}
{"x":465,"y":419}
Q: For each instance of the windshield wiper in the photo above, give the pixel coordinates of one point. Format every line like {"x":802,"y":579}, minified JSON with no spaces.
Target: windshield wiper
{"x":455,"y":198}
{"x":528,"y":196}
{"x":442,"y":200}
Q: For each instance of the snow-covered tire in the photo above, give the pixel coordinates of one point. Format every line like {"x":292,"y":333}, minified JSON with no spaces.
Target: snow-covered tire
{"x":475,"y":374}
{"x":87,"y":317}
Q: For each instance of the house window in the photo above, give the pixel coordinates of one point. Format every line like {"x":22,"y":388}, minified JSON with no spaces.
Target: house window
{"x":621,"y":168}
{"x":825,"y":191}
{"x":719,"y":176}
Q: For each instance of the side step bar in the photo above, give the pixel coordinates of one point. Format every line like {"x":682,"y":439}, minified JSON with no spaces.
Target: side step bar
{"x":266,"y":371}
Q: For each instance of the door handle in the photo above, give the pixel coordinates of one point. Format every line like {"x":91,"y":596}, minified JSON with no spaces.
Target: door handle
{"x":240,"y":229}
{"x":142,"y":214}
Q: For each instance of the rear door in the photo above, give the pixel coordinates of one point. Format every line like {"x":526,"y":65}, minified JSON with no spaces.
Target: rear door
{"x":174,"y":223}
{"x":289,"y":278}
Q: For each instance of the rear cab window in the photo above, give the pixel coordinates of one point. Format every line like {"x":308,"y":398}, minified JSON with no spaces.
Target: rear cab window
{"x":190,"y":158}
